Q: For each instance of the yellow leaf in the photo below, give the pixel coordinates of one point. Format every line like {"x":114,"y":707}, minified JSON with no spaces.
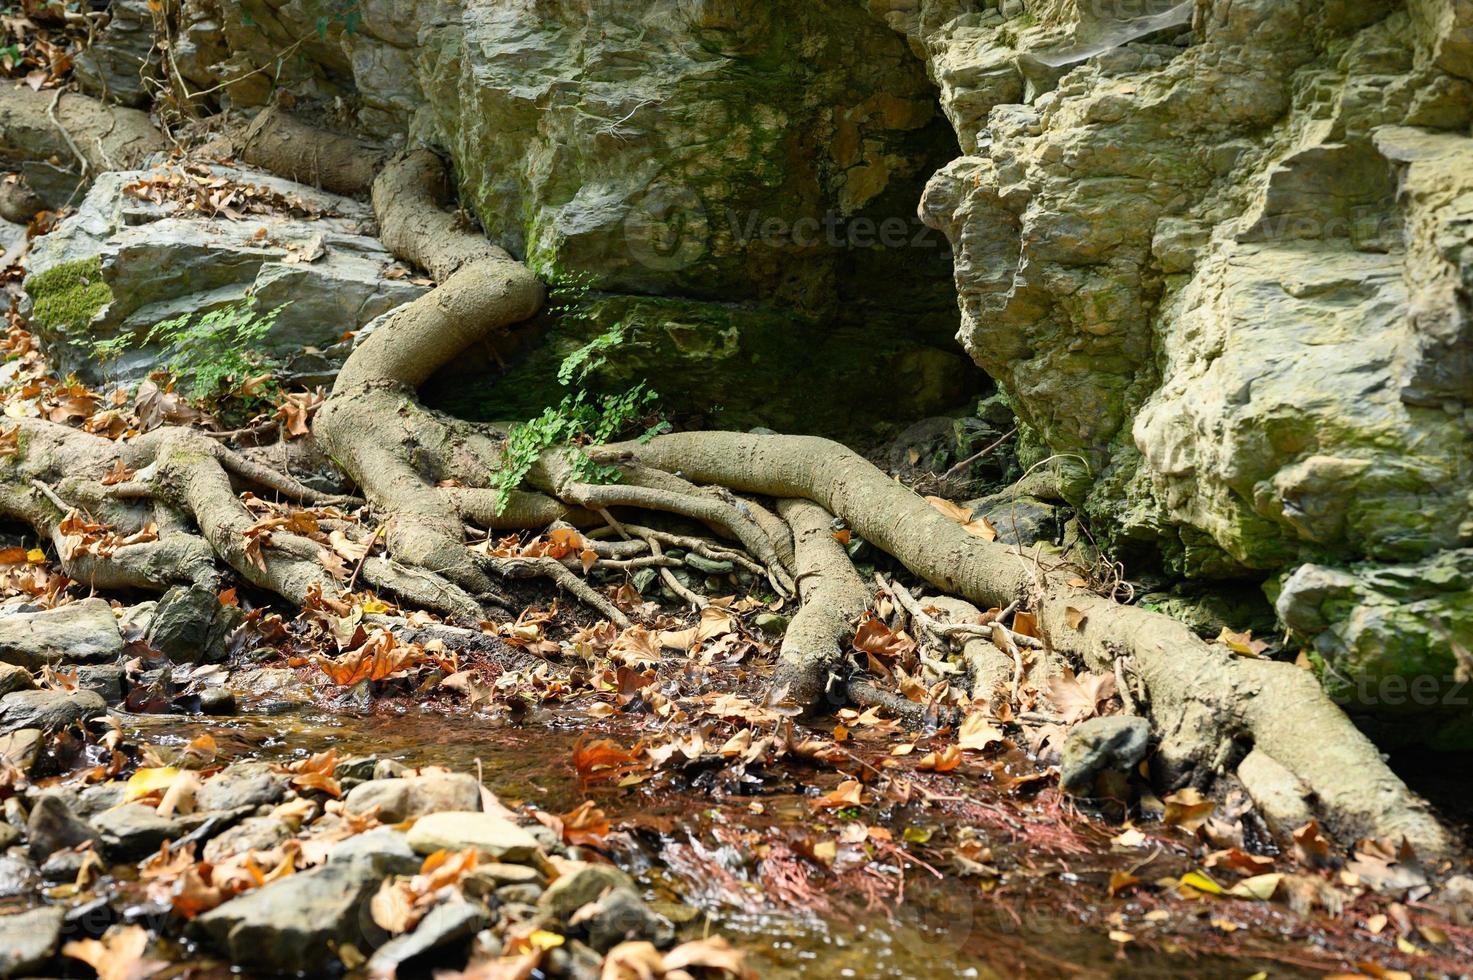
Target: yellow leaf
{"x":542,"y":939}
{"x":1259,"y":887}
{"x":35,"y":556}
{"x":146,"y":781}
{"x":1200,"y":882}
{"x":1121,"y":936}
{"x":375,"y":607}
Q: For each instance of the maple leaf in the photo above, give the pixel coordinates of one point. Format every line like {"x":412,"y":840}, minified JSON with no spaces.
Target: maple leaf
{"x":1079,"y":697}
{"x":873,"y":637}
{"x":979,"y":526}
{"x":848,"y":793}
{"x":605,"y":760}
{"x":976,"y":732}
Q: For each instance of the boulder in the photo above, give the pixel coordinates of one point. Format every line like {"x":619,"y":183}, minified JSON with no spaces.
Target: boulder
{"x":134,"y":830}
{"x":122,"y":264}
{"x":15,"y":678}
{"x":251,"y":834}
{"x":28,"y":940}
{"x":581,"y":885}
{"x":190,"y":624}
{"x":79,"y":632}
{"x":48,"y":710}
{"x":494,"y":836}
{"x":242,"y":784}
{"x":293,"y":924}
{"x":618,"y":916}
{"x":384,"y":847}
{"x":415,"y":796}
{"x":22,"y":747}
{"x":1113,"y":744}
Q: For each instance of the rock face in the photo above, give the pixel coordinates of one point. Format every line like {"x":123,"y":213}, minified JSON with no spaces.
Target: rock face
{"x":1221,"y":250}
{"x":736,"y":182}
{"x":122,"y":264}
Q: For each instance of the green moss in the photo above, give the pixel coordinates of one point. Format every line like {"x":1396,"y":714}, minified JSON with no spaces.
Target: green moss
{"x":66,"y":297}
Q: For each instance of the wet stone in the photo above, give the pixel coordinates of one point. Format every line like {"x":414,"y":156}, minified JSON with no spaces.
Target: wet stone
{"x":48,"y":710}
{"x":415,"y":796}
{"x":136,"y":829}
{"x":242,"y":784}
{"x":22,"y":747}
{"x":386,"y":848}
{"x":251,"y":834}
{"x":621,"y":915}
{"x":453,"y":922}
{"x":17,"y":875}
{"x":1113,"y":744}
{"x":53,"y":826}
{"x":28,"y":940}
{"x":493,"y":836}
{"x":103,"y":679}
{"x":293,"y":924}
{"x":581,"y":886}
{"x":82,"y":632}
{"x":190,"y":624}
{"x":217,"y":701}
{"x":14,"y":678}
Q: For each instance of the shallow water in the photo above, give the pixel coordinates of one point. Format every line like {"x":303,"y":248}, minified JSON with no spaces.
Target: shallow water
{"x":948,"y":928}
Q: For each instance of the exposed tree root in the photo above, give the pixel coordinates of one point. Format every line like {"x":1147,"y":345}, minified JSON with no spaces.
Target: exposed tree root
{"x":1209,"y":706}
{"x":833,"y":598}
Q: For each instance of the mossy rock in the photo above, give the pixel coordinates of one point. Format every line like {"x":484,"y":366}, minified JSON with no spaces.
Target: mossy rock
{"x":65,"y":298}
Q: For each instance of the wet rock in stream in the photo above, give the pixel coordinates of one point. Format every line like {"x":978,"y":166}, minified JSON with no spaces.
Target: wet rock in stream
{"x":493,"y":836}
{"x":295,"y":924}
{"x":81,"y":632}
{"x":28,"y":940}
{"x":399,"y":799}
{"x":48,"y":710}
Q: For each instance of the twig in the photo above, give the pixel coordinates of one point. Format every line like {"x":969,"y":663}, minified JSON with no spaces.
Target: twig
{"x":957,"y":469}
{"x":65,"y":134}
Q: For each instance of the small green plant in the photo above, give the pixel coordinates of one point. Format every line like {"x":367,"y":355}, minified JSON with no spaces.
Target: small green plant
{"x":580,"y":418}
{"x":593,"y":355}
{"x":213,"y":354}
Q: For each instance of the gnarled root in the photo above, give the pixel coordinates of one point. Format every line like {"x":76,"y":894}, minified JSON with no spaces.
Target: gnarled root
{"x":1207,"y":703}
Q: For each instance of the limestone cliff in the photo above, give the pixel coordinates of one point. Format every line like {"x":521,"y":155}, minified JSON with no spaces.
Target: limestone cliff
{"x":1222,"y":251}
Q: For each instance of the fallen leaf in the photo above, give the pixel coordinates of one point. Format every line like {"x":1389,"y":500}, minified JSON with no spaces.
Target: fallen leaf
{"x":977,"y":733}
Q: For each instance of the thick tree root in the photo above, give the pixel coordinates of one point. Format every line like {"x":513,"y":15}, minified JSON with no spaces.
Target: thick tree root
{"x":1208,"y":704}
{"x":833,"y":598}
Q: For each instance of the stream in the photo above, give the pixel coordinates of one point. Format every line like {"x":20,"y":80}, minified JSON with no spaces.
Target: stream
{"x":678,"y":847}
